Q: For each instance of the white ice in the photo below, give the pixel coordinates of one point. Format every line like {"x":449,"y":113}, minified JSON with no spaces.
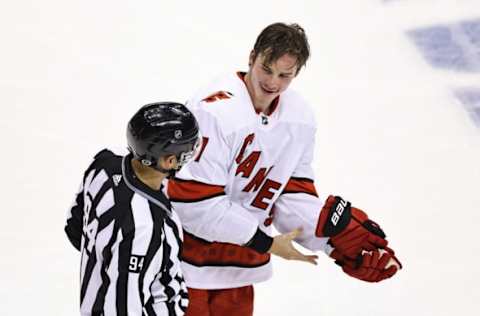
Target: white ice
{"x":391,"y":137}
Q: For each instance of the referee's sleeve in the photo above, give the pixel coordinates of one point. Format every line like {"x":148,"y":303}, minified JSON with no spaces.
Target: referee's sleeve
{"x":73,"y":226}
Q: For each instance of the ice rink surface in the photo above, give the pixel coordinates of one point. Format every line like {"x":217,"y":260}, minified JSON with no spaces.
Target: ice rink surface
{"x":398,"y":134}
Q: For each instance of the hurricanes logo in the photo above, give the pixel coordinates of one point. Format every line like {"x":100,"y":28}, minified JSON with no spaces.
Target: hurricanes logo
{"x":178,"y":134}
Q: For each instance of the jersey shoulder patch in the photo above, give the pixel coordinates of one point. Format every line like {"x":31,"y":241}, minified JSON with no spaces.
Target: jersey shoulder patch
{"x":217,"y":96}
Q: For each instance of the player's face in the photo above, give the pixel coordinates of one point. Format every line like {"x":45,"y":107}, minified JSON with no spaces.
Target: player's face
{"x":266,"y":82}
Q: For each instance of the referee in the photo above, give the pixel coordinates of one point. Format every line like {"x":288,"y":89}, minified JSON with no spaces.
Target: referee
{"x":123,"y":224}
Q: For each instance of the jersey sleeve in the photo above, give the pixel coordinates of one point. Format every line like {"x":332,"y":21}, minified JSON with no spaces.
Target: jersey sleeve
{"x":198,"y":193}
{"x":73,"y":225}
{"x":299,"y":204}
{"x":75,"y":214}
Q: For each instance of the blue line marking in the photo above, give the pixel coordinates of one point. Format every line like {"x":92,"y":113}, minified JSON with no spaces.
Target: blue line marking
{"x":453,"y":47}
{"x":470,"y":98}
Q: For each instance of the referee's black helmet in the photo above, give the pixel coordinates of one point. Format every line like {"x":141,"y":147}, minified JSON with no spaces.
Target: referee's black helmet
{"x":162,"y":129}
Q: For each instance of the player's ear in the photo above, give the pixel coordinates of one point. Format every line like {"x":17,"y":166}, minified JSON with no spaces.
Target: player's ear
{"x":168,"y":162}
{"x":172,"y":161}
{"x":251,"y":58}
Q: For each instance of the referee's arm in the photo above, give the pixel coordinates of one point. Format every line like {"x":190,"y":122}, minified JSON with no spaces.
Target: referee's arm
{"x":136,"y":260}
{"x":74,"y":224}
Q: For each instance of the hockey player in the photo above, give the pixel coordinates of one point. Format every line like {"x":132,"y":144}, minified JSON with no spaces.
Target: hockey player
{"x":123,"y":224}
{"x":254,"y":170}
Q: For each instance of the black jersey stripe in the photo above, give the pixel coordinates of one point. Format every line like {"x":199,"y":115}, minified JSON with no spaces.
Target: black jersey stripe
{"x":125,"y":249}
{"x":155,"y":243}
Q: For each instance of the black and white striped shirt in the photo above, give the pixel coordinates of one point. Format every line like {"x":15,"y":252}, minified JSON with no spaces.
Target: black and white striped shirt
{"x":130,"y":242}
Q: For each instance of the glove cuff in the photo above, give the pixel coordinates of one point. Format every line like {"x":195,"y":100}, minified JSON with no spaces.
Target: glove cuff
{"x":260,"y":242}
{"x":334,"y":217}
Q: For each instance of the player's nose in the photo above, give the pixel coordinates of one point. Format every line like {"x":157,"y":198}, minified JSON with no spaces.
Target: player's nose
{"x":272,"y":83}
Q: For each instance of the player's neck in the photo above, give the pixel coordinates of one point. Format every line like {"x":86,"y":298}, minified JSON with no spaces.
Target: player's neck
{"x":151,"y":177}
{"x":257,"y":104}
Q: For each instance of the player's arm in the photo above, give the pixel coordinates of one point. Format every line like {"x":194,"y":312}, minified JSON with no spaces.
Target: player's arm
{"x":198,"y":194}
{"x":331,"y":224}
{"x":299,"y":204}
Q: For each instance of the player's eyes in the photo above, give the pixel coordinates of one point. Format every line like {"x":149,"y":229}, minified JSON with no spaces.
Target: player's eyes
{"x":267,"y":70}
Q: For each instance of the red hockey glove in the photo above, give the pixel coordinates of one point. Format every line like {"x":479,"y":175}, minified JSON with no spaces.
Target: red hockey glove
{"x":349,"y":229}
{"x":372,"y":266}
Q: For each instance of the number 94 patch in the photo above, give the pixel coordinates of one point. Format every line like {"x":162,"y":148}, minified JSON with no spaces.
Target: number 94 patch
{"x":136,"y":263}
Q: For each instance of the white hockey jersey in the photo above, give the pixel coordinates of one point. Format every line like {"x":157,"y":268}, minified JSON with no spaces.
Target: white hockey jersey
{"x":252,"y":170}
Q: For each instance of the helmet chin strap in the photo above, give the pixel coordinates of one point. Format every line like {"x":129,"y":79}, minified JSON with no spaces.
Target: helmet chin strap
{"x":154,"y":165}
{"x":182,"y":159}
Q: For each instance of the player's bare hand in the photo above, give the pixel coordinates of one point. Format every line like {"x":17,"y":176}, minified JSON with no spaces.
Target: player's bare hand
{"x":282,"y":246}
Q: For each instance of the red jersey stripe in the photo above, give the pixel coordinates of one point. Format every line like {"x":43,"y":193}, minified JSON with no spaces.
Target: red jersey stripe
{"x":192,"y":191}
{"x":199,"y":252}
{"x":300,"y":185}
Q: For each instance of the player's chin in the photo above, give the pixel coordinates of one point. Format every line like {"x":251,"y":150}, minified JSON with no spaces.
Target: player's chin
{"x":269,"y":95}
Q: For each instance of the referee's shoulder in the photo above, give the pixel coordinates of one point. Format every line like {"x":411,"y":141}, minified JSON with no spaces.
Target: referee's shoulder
{"x":109,"y":160}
